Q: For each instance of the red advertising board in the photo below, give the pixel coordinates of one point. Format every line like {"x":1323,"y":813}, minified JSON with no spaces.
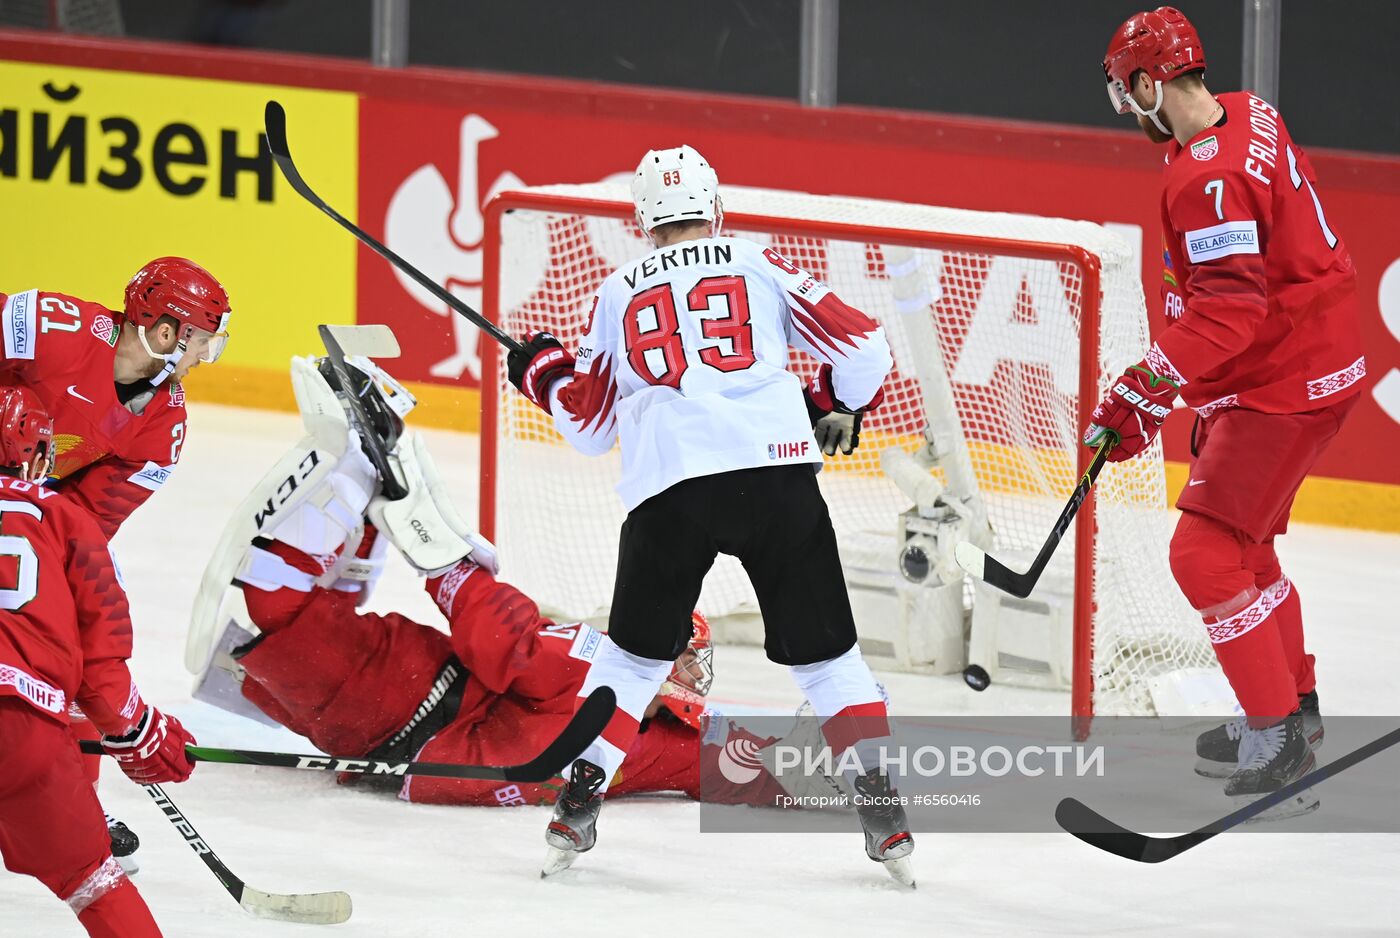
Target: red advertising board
{"x":435,"y":144}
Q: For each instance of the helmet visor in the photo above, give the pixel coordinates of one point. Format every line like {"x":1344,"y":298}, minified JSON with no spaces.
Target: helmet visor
{"x":205,"y":345}
{"x":1119,"y":97}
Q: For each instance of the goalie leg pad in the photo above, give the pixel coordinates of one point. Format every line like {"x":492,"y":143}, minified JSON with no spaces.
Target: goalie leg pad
{"x":325,"y":471}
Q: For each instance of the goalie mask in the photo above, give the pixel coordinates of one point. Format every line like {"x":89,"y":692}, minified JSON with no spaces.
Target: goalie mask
{"x":683,"y":693}
{"x":676,"y":185}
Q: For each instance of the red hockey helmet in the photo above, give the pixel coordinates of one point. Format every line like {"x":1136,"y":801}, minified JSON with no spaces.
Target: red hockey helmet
{"x":683,"y":693}
{"x":26,"y":433}
{"x":174,"y":286}
{"x":1162,"y":43}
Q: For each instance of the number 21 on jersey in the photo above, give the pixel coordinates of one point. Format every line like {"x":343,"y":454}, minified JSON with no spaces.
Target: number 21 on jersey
{"x":655,"y":348}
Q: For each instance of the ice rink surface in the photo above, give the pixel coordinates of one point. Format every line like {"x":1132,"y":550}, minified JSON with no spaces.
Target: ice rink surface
{"x":441,"y":871}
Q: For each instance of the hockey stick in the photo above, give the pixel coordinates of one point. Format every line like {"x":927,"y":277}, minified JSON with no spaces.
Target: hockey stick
{"x":370,"y":442}
{"x":585,"y":726}
{"x":275,"y":121}
{"x":1098,"y":831}
{"x":980,"y":564}
{"x":315,"y":908}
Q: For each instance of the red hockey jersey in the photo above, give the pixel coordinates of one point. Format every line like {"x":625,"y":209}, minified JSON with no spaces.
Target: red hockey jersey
{"x":107,"y":459}
{"x":1259,"y":289}
{"x":65,"y":629}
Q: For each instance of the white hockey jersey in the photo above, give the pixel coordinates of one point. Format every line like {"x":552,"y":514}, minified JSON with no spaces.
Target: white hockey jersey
{"x":685,"y":357}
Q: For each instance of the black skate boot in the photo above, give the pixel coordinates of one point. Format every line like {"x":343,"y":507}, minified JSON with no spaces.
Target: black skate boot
{"x":882,"y":817}
{"x":1219,"y":749}
{"x":1270,"y":759}
{"x":124,"y":845}
{"x":573,"y":830}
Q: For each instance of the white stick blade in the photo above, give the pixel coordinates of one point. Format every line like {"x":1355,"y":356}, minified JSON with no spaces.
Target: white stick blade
{"x":319,"y":908}
{"x":374,"y":341}
{"x":971,"y":558}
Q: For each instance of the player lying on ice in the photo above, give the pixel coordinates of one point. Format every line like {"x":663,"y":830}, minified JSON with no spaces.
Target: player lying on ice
{"x":65,"y":636}
{"x":495,"y":689}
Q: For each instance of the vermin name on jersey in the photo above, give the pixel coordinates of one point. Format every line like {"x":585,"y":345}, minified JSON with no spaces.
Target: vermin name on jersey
{"x":654,"y":264}
{"x":1263,"y":140}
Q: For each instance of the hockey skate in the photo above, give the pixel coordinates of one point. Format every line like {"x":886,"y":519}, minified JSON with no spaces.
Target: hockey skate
{"x":125,"y":843}
{"x":1218,"y":749}
{"x":573,"y":829}
{"x":882,"y":817}
{"x":1270,"y":759}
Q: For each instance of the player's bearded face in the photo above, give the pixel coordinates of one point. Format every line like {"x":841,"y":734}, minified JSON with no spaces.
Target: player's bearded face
{"x":1151,"y":129}
{"x":1145,"y":94}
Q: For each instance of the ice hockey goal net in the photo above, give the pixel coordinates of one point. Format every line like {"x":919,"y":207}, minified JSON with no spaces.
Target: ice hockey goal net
{"x":1025,"y":319}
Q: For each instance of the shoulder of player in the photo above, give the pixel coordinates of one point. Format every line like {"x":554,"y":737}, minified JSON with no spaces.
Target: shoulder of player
{"x":166,"y":409}
{"x":54,"y":509}
{"x":56,"y":321}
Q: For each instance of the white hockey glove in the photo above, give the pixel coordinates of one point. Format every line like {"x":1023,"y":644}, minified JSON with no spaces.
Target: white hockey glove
{"x":424,"y":525}
{"x":836,"y":426}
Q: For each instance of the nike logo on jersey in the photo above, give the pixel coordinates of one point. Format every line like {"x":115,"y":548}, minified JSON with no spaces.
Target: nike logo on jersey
{"x":1196,"y":482}
{"x":73,"y":390}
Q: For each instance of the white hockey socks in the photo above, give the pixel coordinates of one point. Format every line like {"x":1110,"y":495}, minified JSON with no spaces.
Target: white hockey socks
{"x":849,"y":703}
{"x":635,"y":681}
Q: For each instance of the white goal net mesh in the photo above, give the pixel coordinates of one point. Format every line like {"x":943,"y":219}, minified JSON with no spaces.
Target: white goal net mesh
{"x":1008,"y":333}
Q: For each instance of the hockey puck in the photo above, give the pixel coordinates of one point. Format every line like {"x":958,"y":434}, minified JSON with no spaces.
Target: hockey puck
{"x":976,"y":677}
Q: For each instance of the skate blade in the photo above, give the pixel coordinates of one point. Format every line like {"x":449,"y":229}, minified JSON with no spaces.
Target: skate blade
{"x":557,"y":861}
{"x":901,"y":871}
{"x":1305,"y":802}
{"x":1209,"y":768}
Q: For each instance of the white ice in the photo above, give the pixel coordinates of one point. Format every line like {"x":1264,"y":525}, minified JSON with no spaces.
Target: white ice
{"x":439,"y":871}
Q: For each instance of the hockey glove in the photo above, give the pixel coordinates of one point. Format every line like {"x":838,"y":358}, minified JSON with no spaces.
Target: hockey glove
{"x":1133,"y":411}
{"x":535,"y":367}
{"x":153,"y":751}
{"x":424,"y":525}
{"x":836,"y":426}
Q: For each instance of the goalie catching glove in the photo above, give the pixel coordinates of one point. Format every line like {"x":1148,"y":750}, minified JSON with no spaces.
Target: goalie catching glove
{"x":536,"y":365}
{"x":836,"y":426}
{"x":424,"y":525}
{"x":1132,"y":411}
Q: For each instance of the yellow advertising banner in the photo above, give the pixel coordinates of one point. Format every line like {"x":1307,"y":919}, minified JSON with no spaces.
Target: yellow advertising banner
{"x":101,"y":171}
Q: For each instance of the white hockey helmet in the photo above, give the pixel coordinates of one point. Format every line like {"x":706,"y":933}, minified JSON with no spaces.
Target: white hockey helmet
{"x":676,"y":185}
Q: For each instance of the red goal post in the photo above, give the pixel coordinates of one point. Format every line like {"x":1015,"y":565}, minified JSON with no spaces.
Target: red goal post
{"x":571,"y":215}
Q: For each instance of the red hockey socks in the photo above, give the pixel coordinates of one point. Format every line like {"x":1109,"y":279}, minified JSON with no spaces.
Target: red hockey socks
{"x":1217,"y":568}
{"x":846,"y":698}
{"x":1288,"y":615}
{"x":119,"y":912}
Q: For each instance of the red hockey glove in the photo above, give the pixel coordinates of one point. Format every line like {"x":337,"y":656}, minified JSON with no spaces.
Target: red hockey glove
{"x":836,"y":425}
{"x":537,"y":365}
{"x":1133,"y":411}
{"x":154,"y":750}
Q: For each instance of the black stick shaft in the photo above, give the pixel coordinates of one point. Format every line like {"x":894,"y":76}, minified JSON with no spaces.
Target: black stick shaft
{"x":389,"y":481}
{"x":275,"y":121}
{"x":592,"y":716}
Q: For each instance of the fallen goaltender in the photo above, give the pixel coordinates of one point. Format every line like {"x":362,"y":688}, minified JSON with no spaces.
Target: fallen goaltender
{"x":402,"y":704}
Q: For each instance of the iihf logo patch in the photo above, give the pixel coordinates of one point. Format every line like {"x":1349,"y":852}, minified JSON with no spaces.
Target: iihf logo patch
{"x":1205,"y":149}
